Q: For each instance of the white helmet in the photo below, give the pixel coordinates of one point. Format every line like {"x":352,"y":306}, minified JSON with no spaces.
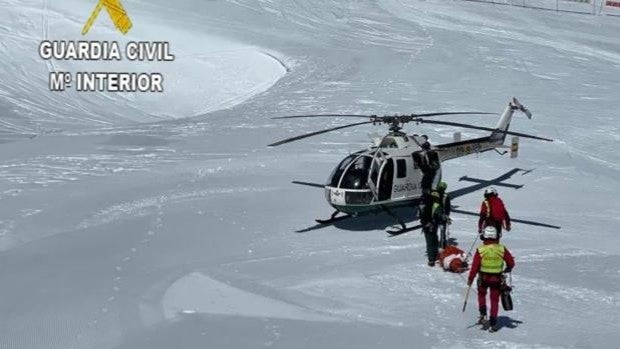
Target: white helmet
{"x":489,"y":233}
{"x":490,"y":191}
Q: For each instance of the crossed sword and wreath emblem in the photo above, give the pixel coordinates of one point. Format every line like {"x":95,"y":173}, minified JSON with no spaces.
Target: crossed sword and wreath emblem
{"x":117,"y":13}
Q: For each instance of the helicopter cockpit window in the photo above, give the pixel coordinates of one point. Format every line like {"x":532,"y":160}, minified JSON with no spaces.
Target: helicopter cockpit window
{"x":401,"y":168}
{"x":356,"y":175}
{"x":334,"y":179}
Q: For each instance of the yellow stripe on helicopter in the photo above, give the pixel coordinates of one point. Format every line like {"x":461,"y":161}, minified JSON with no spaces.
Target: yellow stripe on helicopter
{"x":117,"y":13}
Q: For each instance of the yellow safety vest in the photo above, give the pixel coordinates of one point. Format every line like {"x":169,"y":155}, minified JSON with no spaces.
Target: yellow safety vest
{"x":492,"y":258}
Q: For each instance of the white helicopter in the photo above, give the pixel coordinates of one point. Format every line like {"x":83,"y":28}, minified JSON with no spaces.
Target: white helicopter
{"x":398,"y":169}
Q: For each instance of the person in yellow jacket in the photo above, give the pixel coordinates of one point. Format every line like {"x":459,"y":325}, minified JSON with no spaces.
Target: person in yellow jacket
{"x":489,"y":263}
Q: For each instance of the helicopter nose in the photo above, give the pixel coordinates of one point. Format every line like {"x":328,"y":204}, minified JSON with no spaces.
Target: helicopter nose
{"x":335,"y":196}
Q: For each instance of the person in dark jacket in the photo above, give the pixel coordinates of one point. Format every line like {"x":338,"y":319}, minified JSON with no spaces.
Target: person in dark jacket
{"x":488,"y":264}
{"x":431,"y":217}
{"x":428,"y":161}
{"x":446,"y":206}
{"x":493,"y":213}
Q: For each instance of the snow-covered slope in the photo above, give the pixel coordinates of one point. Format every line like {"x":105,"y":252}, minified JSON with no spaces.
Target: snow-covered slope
{"x":132,"y":225}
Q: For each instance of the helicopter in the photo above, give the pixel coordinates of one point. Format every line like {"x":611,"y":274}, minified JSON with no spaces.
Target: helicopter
{"x":399,"y":169}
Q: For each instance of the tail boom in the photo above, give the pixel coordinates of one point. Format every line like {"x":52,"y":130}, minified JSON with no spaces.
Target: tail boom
{"x":504,"y":122}
{"x":494,"y":140}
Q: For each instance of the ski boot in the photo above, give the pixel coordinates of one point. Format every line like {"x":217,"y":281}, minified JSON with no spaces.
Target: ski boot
{"x":482,"y":320}
{"x":493,"y":325}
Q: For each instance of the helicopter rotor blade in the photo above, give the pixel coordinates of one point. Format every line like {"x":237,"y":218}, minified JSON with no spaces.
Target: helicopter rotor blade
{"x":296,"y":138}
{"x":423,"y":115}
{"x":426,"y":115}
{"x":322,"y":115}
{"x":448,"y":123}
{"x":525,"y":135}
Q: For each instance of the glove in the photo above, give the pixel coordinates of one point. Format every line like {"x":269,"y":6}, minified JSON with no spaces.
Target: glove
{"x":508,"y":228}
{"x":507,"y":270}
{"x":449,"y":220}
{"x":469,"y":282}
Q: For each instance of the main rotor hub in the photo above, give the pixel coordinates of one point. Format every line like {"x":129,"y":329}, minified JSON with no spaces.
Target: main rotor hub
{"x":395,"y":122}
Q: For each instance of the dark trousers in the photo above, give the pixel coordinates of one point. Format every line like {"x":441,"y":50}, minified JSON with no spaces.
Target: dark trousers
{"x":432,"y":242}
{"x":427,"y":181}
{"x":443,"y":239}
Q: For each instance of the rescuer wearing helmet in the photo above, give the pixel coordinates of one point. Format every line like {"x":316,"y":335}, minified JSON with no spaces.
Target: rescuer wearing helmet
{"x":431,"y":217}
{"x":493,"y":213}
{"x":428,"y":161}
{"x":489,"y":263}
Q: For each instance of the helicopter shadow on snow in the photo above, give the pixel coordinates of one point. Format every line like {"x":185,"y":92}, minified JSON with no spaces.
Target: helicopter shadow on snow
{"x":381,"y":220}
{"x":376,"y":220}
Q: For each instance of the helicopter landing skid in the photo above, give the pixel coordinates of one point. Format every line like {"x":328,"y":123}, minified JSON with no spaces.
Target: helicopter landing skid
{"x":400,"y":221}
{"x":403,"y":231}
{"x":333,"y":218}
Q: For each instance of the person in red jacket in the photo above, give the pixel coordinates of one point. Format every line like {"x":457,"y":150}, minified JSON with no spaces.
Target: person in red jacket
{"x":493,"y":213}
{"x":489,"y":263}
{"x":453,"y":259}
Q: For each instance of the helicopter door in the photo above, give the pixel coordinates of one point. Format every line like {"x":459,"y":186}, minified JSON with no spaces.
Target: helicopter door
{"x":406,"y":183}
{"x":386,"y":180}
{"x":373,"y":178}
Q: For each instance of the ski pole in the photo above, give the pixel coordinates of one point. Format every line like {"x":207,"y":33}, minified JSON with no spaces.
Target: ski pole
{"x":466,"y":297}
{"x":472,"y":246}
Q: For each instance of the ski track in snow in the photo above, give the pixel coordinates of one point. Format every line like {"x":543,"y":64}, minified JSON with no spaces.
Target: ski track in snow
{"x":548,"y":254}
{"x":144,"y":207}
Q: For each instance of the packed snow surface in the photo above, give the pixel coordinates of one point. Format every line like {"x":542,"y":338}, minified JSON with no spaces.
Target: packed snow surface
{"x":164,"y":220}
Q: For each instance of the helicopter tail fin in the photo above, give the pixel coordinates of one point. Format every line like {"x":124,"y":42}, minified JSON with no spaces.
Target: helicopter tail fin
{"x":504,"y":121}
